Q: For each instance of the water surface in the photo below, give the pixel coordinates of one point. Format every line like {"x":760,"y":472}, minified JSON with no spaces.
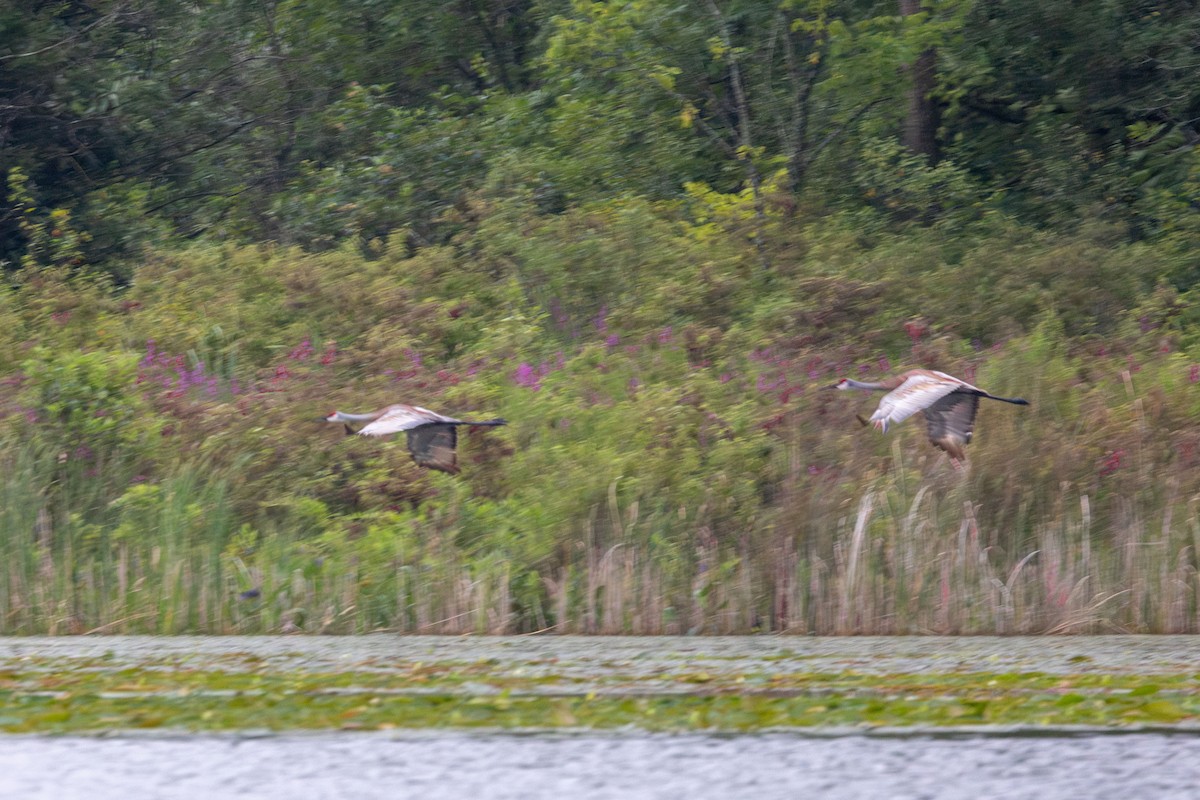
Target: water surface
{"x":630,"y":767}
{"x":825,"y":761}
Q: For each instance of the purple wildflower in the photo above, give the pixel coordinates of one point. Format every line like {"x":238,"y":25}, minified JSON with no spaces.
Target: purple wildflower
{"x":664,"y":335}
{"x":601,"y":319}
{"x":526,"y":376}
{"x":766,"y":385}
{"x":148,"y":359}
{"x":612,"y":341}
{"x":302,"y":351}
{"x":915,"y":329}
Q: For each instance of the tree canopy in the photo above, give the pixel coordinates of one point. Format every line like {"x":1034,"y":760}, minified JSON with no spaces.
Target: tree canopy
{"x":316,"y":122}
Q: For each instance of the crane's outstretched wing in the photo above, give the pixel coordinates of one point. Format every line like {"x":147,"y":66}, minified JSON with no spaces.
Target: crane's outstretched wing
{"x":433,"y":445}
{"x":951,"y":421}
{"x":401,"y":418}
{"x":918,"y":392}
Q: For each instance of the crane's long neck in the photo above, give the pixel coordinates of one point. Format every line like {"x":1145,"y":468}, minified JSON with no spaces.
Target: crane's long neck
{"x":853,"y":384}
{"x":344,"y":417}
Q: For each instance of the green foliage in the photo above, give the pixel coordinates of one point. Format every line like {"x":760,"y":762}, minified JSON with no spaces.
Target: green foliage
{"x":645,"y":233}
{"x":87,"y":398}
{"x":216,"y":691}
{"x":399,"y":168}
{"x":51,"y":239}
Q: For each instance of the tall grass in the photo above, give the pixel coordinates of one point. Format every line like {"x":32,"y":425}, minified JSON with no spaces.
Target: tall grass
{"x":908,"y":557}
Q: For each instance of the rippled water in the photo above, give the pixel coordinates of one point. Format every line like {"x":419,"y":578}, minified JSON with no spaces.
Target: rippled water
{"x":631,"y":767}
{"x":644,"y":656}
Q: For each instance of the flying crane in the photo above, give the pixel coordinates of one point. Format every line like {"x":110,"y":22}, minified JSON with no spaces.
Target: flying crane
{"x":948,"y":403}
{"x":432,"y":437}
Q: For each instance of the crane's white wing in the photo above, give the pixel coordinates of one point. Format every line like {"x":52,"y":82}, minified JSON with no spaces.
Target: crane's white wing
{"x":918,"y":392}
{"x":959,"y":382}
{"x":401,"y":418}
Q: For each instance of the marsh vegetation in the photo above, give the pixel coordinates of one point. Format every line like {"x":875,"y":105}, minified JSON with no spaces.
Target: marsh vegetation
{"x":644,"y":233}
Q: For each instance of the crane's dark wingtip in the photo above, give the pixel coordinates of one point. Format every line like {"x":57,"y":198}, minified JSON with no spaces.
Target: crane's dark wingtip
{"x":862,"y":420}
{"x":1016,"y":401}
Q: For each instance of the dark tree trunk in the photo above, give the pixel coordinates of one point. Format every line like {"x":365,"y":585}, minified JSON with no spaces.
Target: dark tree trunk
{"x":801,"y":79}
{"x":745,"y":146}
{"x":921,"y":119}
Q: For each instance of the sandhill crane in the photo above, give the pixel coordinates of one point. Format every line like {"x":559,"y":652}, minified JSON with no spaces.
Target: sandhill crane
{"x":949,"y":405}
{"x":432,"y":437}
